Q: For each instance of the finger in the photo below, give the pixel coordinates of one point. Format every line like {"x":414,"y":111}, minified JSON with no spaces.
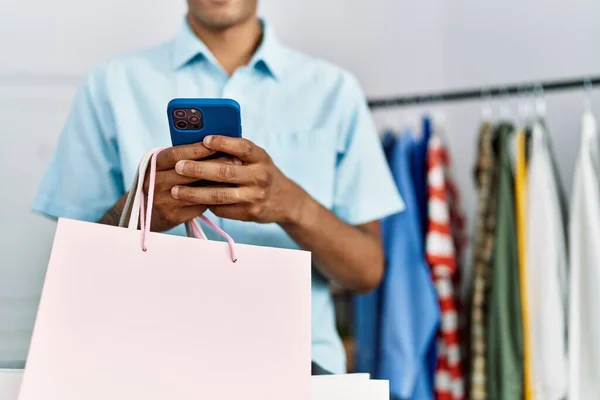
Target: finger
{"x":191,"y":212}
{"x":169,"y":157}
{"x":181,"y":215}
{"x":171,"y":178}
{"x":234,"y":212}
{"x":165,"y":180}
{"x":182,"y":203}
{"x":225,"y":160}
{"x":216,"y":172}
{"x":243,"y":149}
{"x":211,"y":195}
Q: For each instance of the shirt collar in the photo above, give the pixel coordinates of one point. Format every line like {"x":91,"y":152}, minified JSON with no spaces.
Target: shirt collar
{"x":268,"y":58}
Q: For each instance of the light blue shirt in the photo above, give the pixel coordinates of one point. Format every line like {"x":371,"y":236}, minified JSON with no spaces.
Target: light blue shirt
{"x":310,"y":116}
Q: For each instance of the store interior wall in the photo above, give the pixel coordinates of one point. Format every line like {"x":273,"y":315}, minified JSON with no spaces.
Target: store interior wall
{"x":394,"y":47}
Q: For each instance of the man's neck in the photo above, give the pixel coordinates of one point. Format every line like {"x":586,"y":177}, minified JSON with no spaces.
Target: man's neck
{"x":232,"y":47}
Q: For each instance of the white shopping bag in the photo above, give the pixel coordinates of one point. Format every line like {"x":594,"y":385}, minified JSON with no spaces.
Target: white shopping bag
{"x":325,"y":387}
{"x":344,"y":377}
{"x":170,"y":318}
{"x":10,"y":382}
{"x":343,"y":387}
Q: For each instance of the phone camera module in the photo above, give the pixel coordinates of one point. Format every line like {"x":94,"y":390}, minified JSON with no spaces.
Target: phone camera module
{"x":181,"y":124}
{"x":194,"y":119}
{"x":179,"y":113}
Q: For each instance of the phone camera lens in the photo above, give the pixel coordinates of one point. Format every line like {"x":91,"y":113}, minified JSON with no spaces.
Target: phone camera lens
{"x":181,"y":124}
{"x":179,"y":113}
{"x":194,"y":119}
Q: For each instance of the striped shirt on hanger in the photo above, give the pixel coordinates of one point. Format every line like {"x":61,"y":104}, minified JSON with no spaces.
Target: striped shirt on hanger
{"x":441,"y":256}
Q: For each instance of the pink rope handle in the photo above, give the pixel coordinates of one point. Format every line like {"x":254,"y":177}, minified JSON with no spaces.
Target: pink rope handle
{"x":195,"y":230}
{"x":146,"y":216}
{"x":217,"y":229}
{"x":145,"y":227}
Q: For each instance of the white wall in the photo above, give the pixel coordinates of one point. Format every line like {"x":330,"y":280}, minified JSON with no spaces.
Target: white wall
{"x":404,"y":47}
{"x":393,"y":46}
{"x":46,"y":47}
{"x":491,"y":42}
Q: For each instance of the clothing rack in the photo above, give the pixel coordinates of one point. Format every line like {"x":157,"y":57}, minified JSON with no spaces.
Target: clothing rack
{"x":485,"y":93}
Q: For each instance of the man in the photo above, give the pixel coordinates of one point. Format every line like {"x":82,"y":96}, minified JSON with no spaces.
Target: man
{"x":309,"y":172}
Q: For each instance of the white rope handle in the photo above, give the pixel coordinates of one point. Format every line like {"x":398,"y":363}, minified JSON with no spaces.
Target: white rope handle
{"x":132,"y":203}
{"x":134,"y":199}
{"x":139,"y":192}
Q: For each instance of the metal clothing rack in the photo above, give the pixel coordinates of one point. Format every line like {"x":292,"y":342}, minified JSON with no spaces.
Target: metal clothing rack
{"x":485,"y":93}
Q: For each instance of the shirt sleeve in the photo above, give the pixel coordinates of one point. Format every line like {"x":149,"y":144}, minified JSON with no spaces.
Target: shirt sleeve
{"x":364,"y":189}
{"x":83,"y":180}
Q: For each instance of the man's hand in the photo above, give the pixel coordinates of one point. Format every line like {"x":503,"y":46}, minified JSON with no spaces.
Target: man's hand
{"x":257,"y":190}
{"x":169,"y":212}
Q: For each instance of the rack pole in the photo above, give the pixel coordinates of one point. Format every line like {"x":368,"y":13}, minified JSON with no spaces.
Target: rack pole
{"x":486,"y":92}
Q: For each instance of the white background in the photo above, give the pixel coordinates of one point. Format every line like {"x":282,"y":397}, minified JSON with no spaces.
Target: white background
{"x":394,"y":47}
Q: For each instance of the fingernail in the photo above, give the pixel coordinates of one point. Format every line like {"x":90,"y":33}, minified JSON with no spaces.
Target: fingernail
{"x":179,"y":167}
{"x":237,"y":161}
{"x":207,"y":140}
{"x":175,"y":192}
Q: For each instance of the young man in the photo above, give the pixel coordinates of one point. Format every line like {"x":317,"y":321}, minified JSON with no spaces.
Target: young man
{"x":309,"y":172}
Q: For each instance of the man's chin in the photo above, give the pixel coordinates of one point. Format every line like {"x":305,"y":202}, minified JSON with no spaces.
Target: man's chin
{"x":219,"y":22}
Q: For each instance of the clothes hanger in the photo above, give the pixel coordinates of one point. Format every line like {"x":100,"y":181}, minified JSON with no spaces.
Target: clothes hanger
{"x":487,"y":113}
{"x":587,"y":95}
{"x":524,"y":108}
{"x":540,"y":102}
{"x":439,"y":113}
{"x":524,"y":111}
{"x":504,"y":109}
{"x":589,"y":124}
{"x":410,"y":120}
{"x":439,"y":119}
{"x":539,"y":129}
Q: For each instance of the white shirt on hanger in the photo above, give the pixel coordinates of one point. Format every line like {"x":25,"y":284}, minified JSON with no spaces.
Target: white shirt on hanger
{"x":546,"y":273}
{"x":584,"y":236}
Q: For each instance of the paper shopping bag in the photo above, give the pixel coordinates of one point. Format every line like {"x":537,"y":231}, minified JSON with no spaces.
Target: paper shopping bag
{"x":349,"y":388}
{"x":177,"y":321}
{"x":10,"y":382}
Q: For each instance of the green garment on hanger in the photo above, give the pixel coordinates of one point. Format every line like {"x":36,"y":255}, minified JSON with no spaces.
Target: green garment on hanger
{"x":505,"y":329}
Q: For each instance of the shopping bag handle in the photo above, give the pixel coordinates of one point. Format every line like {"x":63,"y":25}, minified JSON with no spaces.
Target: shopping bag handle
{"x":132,"y":203}
{"x":143,"y":213}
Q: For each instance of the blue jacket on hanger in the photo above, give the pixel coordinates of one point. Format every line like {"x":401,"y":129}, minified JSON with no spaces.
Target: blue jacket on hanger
{"x":396,"y":325}
{"x":418,"y":161}
{"x":367,"y":308}
{"x":410,"y":311}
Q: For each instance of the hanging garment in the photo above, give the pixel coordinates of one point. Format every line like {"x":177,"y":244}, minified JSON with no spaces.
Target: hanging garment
{"x":546,"y":274}
{"x":419,"y":171}
{"x":367,"y":308}
{"x":458,"y":219}
{"x":504,"y":331}
{"x":521,"y":207}
{"x":410,"y":311}
{"x":460,"y":236}
{"x":441,"y":256}
{"x":485,"y":227}
{"x":584,"y":300}
{"x":458,"y":225}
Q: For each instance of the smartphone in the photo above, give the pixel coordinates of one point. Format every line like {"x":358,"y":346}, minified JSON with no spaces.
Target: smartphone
{"x":191,"y":120}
